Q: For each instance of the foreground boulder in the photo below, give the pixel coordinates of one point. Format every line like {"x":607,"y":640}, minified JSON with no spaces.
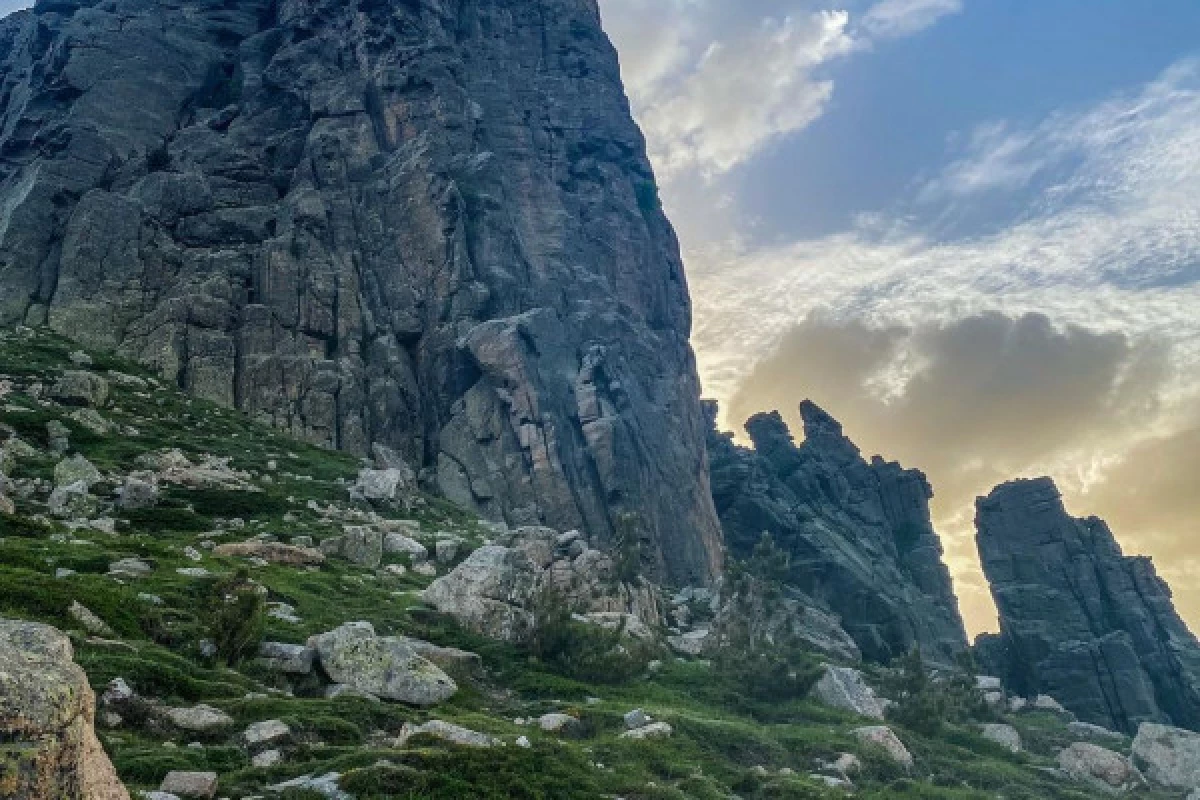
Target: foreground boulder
{"x":844,"y":688}
{"x":1099,"y":768}
{"x":1168,"y":756}
{"x":1079,"y":620}
{"x":48,"y":747}
{"x":382,"y":666}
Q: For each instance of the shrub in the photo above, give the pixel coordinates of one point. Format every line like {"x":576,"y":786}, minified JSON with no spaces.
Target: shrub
{"x":237,"y":615}
{"x":580,"y":650}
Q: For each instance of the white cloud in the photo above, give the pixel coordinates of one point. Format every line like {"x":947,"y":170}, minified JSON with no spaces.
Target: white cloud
{"x":745,"y":92}
{"x":889,"y":19}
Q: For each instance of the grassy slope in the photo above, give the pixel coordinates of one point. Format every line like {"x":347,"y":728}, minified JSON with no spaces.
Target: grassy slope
{"x":719,"y":734}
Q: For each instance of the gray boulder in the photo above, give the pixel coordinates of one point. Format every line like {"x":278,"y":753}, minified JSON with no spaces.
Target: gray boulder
{"x":198,"y":719}
{"x":80,"y":388}
{"x":448,"y":732}
{"x":1099,"y":768}
{"x":883,"y":739}
{"x":76,"y":469}
{"x":190,"y":785}
{"x":292,"y":659}
{"x":1002,"y":734}
{"x":72,"y":501}
{"x":844,"y":688}
{"x":383,"y":666}
{"x":1168,"y":756}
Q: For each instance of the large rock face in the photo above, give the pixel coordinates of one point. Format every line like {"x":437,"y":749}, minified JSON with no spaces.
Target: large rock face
{"x":48,"y":747}
{"x":858,"y":533}
{"x":1080,"y":621}
{"x":429,"y":224}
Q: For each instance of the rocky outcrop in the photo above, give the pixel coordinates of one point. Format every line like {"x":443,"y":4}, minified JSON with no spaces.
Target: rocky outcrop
{"x":1169,"y":756}
{"x":427,"y":225}
{"x":48,"y":747}
{"x":858,"y":533}
{"x":1080,"y":621}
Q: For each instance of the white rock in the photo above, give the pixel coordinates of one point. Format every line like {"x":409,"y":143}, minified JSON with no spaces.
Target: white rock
{"x":386,"y":667}
{"x":655,"y":730}
{"x":199,"y":718}
{"x":266,"y":732}
{"x":1169,"y":756}
{"x":448,"y":732}
{"x":844,"y":688}
{"x":882,"y":738}
{"x":267,"y":758}
{"x":1099,"y":768}
{"x":1001,"y":734}
{"x":637,"y":719}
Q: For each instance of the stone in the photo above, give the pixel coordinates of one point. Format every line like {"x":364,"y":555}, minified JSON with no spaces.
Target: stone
{"x":87,"y":620}
{"x":1099,"y":768}
{"x":1168,"y":756}
{"x":489,"y":593}
{"x":447,"y":550}
{"x":451,"y":659}
{"x":80,"y":388}
{"x":563,"y":724}
{"x":1080,"y":621}
{"x":847,"y":764}
{"x":692,"y":643}
{"x":93,"y":421}
{"x":267,"y":758}
{"x":59,"y":437}
{"x":399,"y":544}
{"x":268,"y":732}
{"x":883,"y":739}
{"x":386,"y":667}
{"x":1002,"y":734}
{"x":325,"y":785}
{"x":278,"y":254}
{"x":637,"y":718}
{"x":133,"y":567}
{"x":363,"y":546}
{"x":138,"y":493}
{"x":46,"y":719}
{"x":523,"y":742}
{"x":198,"y":719}
{"x":291,"y":659}
{"x":448,"y":732}
{"x":844,"y":688}
{"x":860,"y":533}
{"x":197,"y":785}
{"x":273,"y":553}
{"x":987,"y":683}
{"x":72,"y":501}
{"x":387,"y":486}
{"x":655,"y":730}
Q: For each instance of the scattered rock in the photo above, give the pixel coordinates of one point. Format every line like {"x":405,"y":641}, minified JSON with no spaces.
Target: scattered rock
{"x":197,"y":785}
{"x":655,"y":730}
{"x":272,"y":552}
{"x":844,"y":688}
{"x":563,"y":724}
{"x":267,"y":758}
{"x":385,"y":486}
{"x":325,"y":785}
{"x":1002,"y":734}
{"x":138,"y":492}
{"x":198,"y":719}
{"x":455,"y":734}
{"x":290,"y":659}
{"x":383,"y":666}
{"x":1169,"y":756}
{"x":987,"y":683}
{"x":72,"y":501}
{"x":80,"y":388}
{"x":637,"y":719}
{"x":882,"y":738}
{"x":89,"y":621}
{"x":399,"y":544}
{"x":268,"y":732}
{"x":1099,"y":768}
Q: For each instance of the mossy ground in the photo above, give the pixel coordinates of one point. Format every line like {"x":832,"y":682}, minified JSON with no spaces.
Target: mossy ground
{"x":720,"y":736}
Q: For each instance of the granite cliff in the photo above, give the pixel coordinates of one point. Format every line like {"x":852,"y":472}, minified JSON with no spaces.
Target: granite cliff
{"x":858,"y":533}
{"x":1079,"y":620}
{"x":429,"y":224}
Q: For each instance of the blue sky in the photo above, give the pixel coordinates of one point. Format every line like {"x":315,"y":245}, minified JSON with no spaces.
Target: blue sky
{"x":970,"y":228}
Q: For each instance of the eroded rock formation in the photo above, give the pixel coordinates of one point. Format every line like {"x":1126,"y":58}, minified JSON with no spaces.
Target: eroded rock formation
{"x":430,"y":225}
{"x":1079,"y":620}
{"x":858,"y":533}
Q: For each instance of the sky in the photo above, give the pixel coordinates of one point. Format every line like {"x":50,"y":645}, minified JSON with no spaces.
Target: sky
{"x":968,"y":229}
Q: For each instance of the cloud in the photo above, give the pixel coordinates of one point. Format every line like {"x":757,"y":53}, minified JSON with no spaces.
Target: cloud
{"x":745,"y":92}
{"x":714,"y":84}
{"x":990,"y":397}
{"x":895,"y":18}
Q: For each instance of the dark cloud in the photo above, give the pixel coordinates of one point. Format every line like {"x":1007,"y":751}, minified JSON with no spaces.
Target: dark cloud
{"x":989,"y":398}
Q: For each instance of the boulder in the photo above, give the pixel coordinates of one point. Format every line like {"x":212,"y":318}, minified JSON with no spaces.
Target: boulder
{"x":77,"y":387}
{"x":383,"y":666}
{"x":324,"y":785}
{"x":138,"y":492}
{"x":291,"y":659}
{"x":76,"y":469}
{"x":268,"y":732}
{"x":48,"y":744}
{"x":844,"y":688}
{"x":1001,"y":734}
{"x":399,"y":544}
{"x":563,"y":724}
{"x":1099,"y":768}
{"x":89,"y":621}
{"x":386,"y":486}
{"x":883,"y":739}
{"x":198,"y":719}
{"x":72,"y":501}
{"x":272,"y":552}
{"x":362,"y":546}
{"x":190,"y":785}
{"x":447,"y":732}
{"x":655,"y":730}
{"x":489,"y":593}
{"x":1168,"y":756}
